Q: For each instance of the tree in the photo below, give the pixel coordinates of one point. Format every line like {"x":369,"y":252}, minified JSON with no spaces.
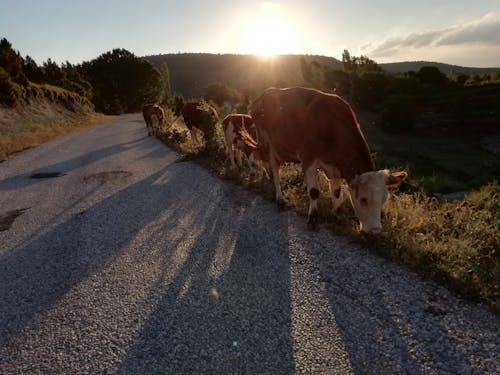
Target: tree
{"x":338,"y":81}
{"x":165,"y":78}
{"x":53,"y":74}
{"x":32,"y":71}
{"x":122,"y":82}
{"x":220,"y":93}
{"x":74,"y":80}
{"x":431,"y":75}
{"x":346,"y":60}
{"x":10,"y":60}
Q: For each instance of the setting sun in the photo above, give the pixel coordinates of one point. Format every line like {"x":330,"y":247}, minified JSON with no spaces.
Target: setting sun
{"x":269,"y":36}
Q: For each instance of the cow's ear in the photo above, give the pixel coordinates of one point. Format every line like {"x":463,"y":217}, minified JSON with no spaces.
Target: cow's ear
{"x":395,"y":179}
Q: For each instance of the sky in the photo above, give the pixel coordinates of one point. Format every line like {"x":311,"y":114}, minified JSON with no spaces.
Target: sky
{"x":460,"y":32}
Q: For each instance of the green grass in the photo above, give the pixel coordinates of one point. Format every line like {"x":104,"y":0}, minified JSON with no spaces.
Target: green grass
{"x":454,"y":243}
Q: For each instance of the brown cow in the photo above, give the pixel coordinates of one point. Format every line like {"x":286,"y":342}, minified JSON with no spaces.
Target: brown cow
{"x":320,"y":130}
{"x":240,"y":135}
{"x":152,"y":110}
{"x":199,"y":116}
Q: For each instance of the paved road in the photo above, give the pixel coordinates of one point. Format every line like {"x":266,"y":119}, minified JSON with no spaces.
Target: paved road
{"x":132,"y":263}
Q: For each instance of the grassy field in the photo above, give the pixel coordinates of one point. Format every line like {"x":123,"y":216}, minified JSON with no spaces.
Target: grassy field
{"x":454,"y":243}
{"x":27,"y":134}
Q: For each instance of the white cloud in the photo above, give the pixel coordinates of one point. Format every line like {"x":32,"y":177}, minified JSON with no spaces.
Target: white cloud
{"x":483,"y":32}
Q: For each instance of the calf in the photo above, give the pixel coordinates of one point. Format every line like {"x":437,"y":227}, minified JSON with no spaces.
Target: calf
{"x":320,"y":130}
{"x":239,"y":133}
{"x":152,"y":110}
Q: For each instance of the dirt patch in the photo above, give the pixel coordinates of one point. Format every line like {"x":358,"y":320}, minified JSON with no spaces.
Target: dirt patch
{"x":105,"y":177}
{"x":7,"y":219}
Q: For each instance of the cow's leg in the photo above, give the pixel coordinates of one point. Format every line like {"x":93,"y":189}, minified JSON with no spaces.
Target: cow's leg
{"x":239,"y":155}
{"x":149,"y":125}
{"x":275,"y":172}
{"x":251,"y":164}
{"x":335,"y":191}
{"x":311,"y":177}
{"x":231,"y":156}
{"x":154,"y":122}
{"x":230,"y":137}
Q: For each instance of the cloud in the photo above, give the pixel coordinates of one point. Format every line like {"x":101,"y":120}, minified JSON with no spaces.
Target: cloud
{"x":484,"y":31}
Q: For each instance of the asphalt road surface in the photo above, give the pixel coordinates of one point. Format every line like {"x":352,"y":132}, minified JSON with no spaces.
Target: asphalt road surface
{"x":116,"y":258}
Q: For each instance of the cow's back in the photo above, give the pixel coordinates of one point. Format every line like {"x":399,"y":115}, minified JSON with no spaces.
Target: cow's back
{"x":302,"y":124}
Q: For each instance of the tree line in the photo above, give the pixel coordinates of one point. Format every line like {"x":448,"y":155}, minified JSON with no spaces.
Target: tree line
{"x":115,"y":82}
{"x":118,"y":81}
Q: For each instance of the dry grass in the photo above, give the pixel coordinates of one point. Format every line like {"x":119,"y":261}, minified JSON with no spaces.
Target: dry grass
{"x":33,"y":133}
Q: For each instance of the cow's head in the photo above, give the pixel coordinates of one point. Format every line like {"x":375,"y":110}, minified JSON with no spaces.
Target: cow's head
{"x":368,"y":193}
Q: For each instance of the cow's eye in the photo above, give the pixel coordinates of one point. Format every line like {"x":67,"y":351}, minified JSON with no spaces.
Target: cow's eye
{"x":363,"y":201}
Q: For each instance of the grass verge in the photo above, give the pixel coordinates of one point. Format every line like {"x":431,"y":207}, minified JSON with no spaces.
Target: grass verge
{"x":34,"y":133}
{"x":454,"y":243}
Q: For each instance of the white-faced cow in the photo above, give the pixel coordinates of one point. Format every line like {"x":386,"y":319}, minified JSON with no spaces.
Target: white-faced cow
{"x":199,"y":116}
{"x":240,"y":135}
{"x":150,"y":111}
{"x":321,"y":131}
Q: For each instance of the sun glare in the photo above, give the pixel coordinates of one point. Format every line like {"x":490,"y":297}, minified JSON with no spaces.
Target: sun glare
{"x":269,"y":36}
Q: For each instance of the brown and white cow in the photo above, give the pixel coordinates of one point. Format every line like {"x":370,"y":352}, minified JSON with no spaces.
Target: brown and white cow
{"x":199,"y":116}
{"x":321,"y":131}
{"x":240,"y":135}
{"x":150,"y":111}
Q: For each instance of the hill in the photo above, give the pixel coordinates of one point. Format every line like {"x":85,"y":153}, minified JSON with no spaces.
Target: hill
{"x":406,"y":66}
{"x":190,"y":73}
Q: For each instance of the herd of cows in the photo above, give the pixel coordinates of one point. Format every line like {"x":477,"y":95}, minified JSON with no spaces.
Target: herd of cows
{"x":300,"y":125}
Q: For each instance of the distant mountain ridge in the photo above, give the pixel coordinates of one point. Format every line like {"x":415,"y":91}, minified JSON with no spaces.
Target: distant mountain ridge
{"x":190,"y":73}
{"x":405,"y":66}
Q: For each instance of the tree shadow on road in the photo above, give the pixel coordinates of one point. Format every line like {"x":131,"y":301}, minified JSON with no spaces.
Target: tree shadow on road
{"x":227,"y":309}
{"x":181,"y":250}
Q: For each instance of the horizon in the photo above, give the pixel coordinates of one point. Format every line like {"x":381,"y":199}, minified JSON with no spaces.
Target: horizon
{"x":457,"y":32}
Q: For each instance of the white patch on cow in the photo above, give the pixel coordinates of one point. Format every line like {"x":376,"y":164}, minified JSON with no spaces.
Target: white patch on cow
{"x":368,"y":194}
{"x":311,"y":177}
{"x":335,"y":185}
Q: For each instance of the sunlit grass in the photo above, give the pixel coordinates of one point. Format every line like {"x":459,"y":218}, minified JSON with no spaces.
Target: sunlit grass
{"x":31,"y":134}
